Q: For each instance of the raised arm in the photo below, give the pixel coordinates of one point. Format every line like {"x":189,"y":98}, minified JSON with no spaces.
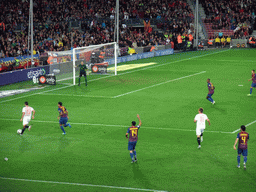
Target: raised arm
{"x":139,"y":119}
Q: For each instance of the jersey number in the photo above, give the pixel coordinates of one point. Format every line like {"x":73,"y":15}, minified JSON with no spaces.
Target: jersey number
{"x":134,"y":133}
{"x":28,"y":111}
{"x":244,"y":139}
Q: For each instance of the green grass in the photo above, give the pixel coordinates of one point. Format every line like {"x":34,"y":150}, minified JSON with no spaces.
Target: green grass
{"x":167,"y":96}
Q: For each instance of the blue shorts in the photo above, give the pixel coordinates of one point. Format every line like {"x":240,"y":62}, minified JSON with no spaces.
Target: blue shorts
{"x":253,"y":85}
{"x":63,"y":120}
{"x":209,"y":95}
{"x":243,"y":151}
{"x":131,"y":145}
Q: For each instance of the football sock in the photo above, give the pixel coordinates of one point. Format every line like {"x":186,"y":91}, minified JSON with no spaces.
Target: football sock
{"x":245,"y":159}
{"x":23,"y":131}
{"x":62,"y":129}
{"x":238,"y":159}
{"x":250,"y":90}
{"x":79,"y":80}
{"x":201,"y":134}
{"x":210,"y":99}
{"x":198,"y":140}
{"x":131,"y":154}
{"x":135,"y":154}
{"x":26,"y":126}
{"x":67,"y":124}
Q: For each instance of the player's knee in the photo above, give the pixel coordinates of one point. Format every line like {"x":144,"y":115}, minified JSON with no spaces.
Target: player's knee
{"x":131,"y":152}
{"x":207,"y":97}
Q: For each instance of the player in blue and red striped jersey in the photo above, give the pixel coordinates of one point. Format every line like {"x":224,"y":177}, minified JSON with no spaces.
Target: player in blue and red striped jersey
{"x":243,"y":138}
{"x":63,"y":117}
{"x":211,"y":91}
{"x":133,"y":138}
{"x":253,"y":79}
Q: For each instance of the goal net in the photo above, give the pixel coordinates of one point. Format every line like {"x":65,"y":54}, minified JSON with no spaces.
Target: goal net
{"x":100,"y":60}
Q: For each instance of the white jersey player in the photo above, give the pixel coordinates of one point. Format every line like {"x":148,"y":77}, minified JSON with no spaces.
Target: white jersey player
{"x":27,"y":112}
{"x":200,"y":119}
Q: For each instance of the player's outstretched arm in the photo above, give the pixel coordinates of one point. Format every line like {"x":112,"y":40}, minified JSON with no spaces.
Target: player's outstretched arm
{"x":139,"y":119}
{"x":235,"y":143}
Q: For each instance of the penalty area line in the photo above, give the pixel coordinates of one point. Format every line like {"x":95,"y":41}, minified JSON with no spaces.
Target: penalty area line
{"x":145,"y":68}
{"x":120,"y":126}
{"x":80,"y":184}
{"x":158,"y":84}
{"x":71,"y":95}
{"x":245,"y":126}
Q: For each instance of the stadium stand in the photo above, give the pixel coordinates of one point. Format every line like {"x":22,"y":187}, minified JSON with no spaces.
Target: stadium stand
{"x":64,"y":24}
{"x":232,"y":18}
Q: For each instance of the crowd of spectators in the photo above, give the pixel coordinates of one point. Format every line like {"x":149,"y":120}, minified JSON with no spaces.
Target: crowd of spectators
{"x":236,"y":15}
{"x":53,"y":31}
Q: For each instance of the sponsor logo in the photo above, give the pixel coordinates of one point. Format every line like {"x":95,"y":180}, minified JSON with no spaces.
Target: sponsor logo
{"x":42,"y":79}
{"x":47,"y":79}
{"x":35,"y":73}
{"x":50,"y":80}
{"x":95,"y":69}
{"x":56,"y":71}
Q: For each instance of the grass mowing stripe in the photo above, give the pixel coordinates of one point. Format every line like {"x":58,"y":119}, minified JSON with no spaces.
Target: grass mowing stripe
{"x":245,"y":126}
{"x":81,"y":184}
{"x":158,"y":84}
{"x":121,"y":126}
{"x":180,"y":60}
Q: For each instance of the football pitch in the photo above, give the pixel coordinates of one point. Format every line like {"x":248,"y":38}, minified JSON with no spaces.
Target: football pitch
{"x":166,"y":93}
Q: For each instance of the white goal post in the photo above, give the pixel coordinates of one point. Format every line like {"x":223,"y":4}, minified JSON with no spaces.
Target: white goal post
{"x":91,"y":56}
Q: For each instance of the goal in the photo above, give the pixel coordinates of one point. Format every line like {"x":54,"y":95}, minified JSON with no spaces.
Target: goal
{"x":100,"y":60}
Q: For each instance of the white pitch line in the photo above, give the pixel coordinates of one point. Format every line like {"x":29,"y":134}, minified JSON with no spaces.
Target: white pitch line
{"x":117,"y":75}
{"x":120,"y":126}
{"x":71,"y":95}
{"x":245,"y":126}
{"x":81,"y":184}
{"x":237,"y":61}
{"x":158,"y":84}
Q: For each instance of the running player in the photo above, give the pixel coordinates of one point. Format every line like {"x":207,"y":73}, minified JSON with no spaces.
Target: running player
{"x":243,"y":138}
{"x":133,"y":138}
{"x":26,"y":117}
{"x":63,"y":117}
{"x":253,"y":79}
{"x":200,"y":125}
{"x":211,"y":91}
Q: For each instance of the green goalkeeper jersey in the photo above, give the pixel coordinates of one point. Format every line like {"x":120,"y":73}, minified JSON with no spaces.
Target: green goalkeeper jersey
{"x":83,"y":68}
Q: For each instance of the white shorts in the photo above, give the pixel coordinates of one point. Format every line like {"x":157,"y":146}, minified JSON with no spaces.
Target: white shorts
{"x":199,"y":131}
{"x":26,"y":120}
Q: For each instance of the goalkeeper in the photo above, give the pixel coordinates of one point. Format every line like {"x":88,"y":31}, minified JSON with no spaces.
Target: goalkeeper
{"x":83,"y":70}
